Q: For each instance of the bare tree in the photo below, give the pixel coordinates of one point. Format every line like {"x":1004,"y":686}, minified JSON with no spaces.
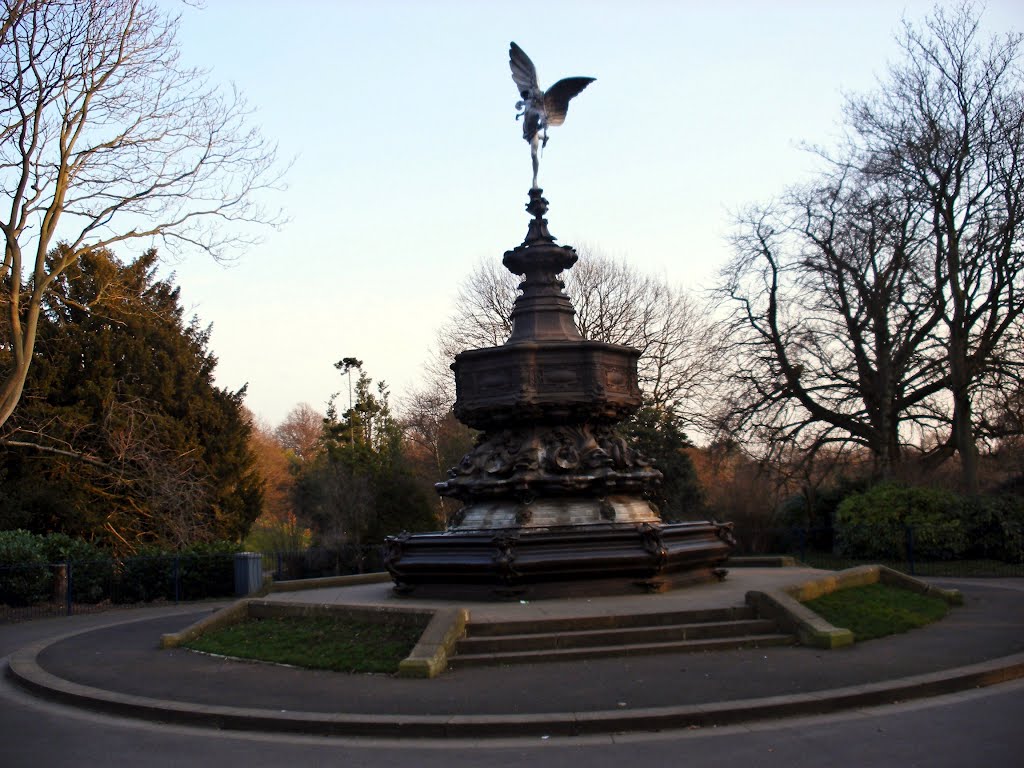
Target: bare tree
{"x":615,"y":304}
{"x":277,"y":525}
{"x":879,"y":305}
{"x":106,"y":138}
{"x":153,"y":492}
{"x":948,"y":127}
{"x":429,"y":424}
{"x":830,"y":331}
{"x":435,"y":438}
{"x":483,"y":312}
{"x":301,"y":432}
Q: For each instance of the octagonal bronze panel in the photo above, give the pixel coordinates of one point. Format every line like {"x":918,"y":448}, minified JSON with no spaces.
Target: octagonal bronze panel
{"x":545,"y":382}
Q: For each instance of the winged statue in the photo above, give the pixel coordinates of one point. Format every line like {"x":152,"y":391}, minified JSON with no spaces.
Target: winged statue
{"x":540,"y":109}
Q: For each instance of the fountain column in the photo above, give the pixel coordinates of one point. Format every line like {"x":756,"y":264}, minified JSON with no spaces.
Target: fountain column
{"x":555,"y":500}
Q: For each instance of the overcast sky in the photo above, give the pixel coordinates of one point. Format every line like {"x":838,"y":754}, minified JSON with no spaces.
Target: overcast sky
{"x":409,"y":166}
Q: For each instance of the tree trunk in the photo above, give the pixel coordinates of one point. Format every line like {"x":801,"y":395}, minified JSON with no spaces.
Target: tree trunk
{"x":886,"y":456}
{"x":12,"y":389}
{"x":963,"y":437}
{"x":962,"y":428}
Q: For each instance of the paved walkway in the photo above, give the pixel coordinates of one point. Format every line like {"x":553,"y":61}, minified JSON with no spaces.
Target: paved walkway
{"x":125,"y":659}
{"x":713,"y":594}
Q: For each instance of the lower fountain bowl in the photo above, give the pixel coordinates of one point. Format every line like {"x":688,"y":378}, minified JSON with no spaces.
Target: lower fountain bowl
{"x":513,"y":562}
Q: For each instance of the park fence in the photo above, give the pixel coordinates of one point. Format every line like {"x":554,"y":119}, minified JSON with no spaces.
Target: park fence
{"x":920,"y":550}
{"x":35,"y":590}
{"x":69,"y":587}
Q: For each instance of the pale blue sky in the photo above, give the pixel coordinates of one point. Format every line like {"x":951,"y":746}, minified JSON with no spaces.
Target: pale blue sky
{"x":410,"y":166}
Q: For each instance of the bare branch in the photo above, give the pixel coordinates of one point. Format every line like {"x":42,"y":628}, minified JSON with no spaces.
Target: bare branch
{"x":105,"y":138}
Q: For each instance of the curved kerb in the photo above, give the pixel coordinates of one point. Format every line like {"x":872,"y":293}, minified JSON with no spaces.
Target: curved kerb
{"x":25,"y":670}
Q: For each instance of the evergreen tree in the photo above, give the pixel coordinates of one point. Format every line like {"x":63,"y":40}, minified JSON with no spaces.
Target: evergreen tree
{"x":122,"y":436}
{"x":659,"y":436}
{"x":362,"y":487}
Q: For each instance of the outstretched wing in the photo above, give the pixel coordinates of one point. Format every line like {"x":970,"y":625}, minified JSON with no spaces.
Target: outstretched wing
{"x":523,"y":71}
{"x":556,"y":98}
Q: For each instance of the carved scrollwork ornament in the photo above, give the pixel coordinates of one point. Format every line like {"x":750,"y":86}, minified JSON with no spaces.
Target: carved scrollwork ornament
{"x":504,"y":557}
{"x":457,"y":517}
{"x":545,"y":460}
{"x":724,"y":531}
{"x":394,"y":547}
{"x":653,"y":543}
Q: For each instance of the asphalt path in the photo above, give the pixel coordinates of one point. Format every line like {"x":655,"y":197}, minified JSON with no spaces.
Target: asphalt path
{"x":977,"y":728}
{"x":974,"y":728}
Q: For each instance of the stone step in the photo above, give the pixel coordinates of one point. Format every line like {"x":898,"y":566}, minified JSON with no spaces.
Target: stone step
{"x":590,"y":638}
{"x":578,"y":654}
{"x":622,"y":621}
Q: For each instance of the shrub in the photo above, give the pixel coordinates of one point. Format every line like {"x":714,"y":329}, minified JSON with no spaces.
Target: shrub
{"x":1011,"y":521}
{"x":828,"y":499}
{"x":203,"y":570}
{"x":874,"y":524}
{"x":146,"y":576}
{"x":207,"y":570}
{"x":995,"y":527}
{"x":24,"y":574}
{"x":92,"y":569}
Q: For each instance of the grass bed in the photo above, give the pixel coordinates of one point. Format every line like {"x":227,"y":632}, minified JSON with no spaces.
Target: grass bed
{"x":949,"y":568}
{"x":336,"y":644}
{"x":877,"y":610}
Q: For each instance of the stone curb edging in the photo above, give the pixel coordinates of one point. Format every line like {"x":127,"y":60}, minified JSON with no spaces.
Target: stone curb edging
{"x":862,"y":575}
{"x":786,"y":606}
{"x":429,"y":658}
{"x":226,"y":616}
{"x":796,"y":618}
{"x":24,"y":669}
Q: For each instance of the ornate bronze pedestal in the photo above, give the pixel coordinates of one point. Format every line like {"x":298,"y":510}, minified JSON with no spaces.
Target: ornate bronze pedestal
{"x":555,"y":501}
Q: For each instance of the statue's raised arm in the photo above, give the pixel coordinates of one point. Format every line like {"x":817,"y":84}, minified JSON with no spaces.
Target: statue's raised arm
{"x":540,"y":109}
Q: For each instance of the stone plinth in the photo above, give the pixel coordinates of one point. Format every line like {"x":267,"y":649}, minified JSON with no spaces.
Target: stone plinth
{"x":583,"y":559}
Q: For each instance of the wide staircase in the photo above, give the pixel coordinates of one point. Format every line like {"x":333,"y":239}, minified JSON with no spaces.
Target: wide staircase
{"x":592,"y":637}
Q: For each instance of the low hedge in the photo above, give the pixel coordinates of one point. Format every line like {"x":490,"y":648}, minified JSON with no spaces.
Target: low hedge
{"x":92,"y":570}
{"x":208,"y":570}
{"x":883,"y":522}
{"x":29,"y":562}
{"x":205,"y":570}
{"x":995,"y":527}
{"x":25,"y":577}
